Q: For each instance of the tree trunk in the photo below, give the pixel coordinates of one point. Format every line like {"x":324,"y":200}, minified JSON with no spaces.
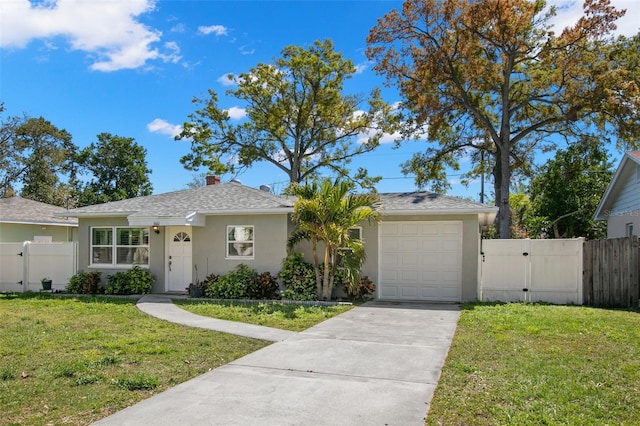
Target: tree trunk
{"x":501,"y":182}
{"x":326,"y":289}
{"x":316,"y":267}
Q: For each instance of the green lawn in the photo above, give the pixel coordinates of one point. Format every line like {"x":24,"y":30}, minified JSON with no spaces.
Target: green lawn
{"x":76,"y":360}
{"x":286,"y":317}
{"x":524,"y":364}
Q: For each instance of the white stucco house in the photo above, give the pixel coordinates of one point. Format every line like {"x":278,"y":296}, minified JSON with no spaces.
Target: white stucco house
{"x":425,"y":248}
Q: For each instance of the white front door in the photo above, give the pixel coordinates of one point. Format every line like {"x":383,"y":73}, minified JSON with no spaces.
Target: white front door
{"x":179,"y":257}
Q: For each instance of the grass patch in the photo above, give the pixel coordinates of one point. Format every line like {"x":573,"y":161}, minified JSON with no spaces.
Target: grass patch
{"x":77,"y":360}
{"x":533,"y":364}
{"x":286,"y":317}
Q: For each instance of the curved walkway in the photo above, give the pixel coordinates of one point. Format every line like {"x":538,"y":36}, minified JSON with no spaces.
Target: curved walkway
{"x":377,"y":364}
{"x":162,"y":307}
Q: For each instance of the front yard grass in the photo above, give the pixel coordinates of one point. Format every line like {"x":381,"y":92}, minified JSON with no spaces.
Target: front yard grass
{"x":77,"y":360}
{"x":533,"y":364}
{"x":287,"y":317}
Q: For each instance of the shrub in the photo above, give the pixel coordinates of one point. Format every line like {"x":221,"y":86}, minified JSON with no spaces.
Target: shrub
{"x":298,"y":278}
{"x":233,"y":285}
{"x":363,"y":290}
{"x":263,"y":286}
{"x":133,"y":281}
{"x":85,"y":283}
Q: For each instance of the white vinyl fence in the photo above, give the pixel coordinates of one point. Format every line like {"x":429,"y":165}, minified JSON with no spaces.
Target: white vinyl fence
{"x":531,"y":271}
{"x":23,"y":265}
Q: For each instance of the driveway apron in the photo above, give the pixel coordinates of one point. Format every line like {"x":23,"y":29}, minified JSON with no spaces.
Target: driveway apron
{"x":377,"y":364}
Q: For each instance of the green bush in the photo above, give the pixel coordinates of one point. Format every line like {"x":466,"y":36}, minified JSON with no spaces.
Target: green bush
{"x":133,"y":281}
{"x":298,"y":278}
{"x":233,"y":285}
{"x":85,"y":283}
{"x":263,"y":286}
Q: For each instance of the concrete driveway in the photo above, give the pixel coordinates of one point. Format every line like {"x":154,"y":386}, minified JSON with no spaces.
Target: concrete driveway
{"x":377,"y":364}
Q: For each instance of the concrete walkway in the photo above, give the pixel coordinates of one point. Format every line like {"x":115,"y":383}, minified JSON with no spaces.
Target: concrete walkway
{"x":377,"y":364}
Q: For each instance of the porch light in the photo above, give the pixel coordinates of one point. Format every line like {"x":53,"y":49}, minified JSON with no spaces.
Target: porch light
{"x":156,"y":227}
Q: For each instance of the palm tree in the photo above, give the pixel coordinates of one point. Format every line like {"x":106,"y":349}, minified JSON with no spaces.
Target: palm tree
{"x":324,"y":213}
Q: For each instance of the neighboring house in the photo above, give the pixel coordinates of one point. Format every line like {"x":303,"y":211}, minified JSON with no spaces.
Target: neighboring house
{"x":426,"y":248}
{"x":620,"y":204}
{"x":27,"y":220}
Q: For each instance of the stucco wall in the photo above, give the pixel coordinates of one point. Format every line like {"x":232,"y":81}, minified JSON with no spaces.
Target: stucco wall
{"x":270,"y":240}
{"x":18,"y":232}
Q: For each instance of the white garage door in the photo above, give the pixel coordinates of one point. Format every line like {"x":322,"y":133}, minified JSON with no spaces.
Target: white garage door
{"x":421,"y":261}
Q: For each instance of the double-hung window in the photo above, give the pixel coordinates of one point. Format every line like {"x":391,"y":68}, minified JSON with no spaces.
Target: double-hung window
{"x":240,"y":242}
{"x":119,"y":246}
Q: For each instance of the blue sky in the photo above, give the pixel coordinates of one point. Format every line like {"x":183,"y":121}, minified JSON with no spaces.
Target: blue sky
{"x":131,"y":68}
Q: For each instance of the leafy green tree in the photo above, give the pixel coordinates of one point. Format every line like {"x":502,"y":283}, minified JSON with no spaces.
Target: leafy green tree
{"x":491,"y":76}
{"x":567,"y":190}
{"x":324,"y":213}
{"x":297,"y":119}
{"x":117,"y":169}
{"x":34,"y":159}
{"x":50,"y":158}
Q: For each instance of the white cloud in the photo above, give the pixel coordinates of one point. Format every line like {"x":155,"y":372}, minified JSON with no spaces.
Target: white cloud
{"x":163,"y":127}
{"x":225,"y":80}
{"x":178,"y":28}
{"x":361,"y":67}
{"x":246,"y":50}
{"x":213,"y":29}
{"x":236,"y":113}
{"x":108,"y":30}
{"x":569,"y":11}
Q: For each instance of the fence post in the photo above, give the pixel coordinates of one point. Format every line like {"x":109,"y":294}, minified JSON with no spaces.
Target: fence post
{"x":634,"y":273}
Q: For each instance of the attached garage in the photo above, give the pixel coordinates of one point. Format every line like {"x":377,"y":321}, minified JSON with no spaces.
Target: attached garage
{"x":420,"y":260}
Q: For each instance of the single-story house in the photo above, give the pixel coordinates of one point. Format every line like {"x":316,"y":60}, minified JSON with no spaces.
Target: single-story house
{"x":425,"y":248}
{"x":22,"y":220}
{"x":620,"y":204}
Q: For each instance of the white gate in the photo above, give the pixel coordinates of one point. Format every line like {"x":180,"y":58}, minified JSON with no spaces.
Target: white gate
{"x":24,"y":265}
{"x":531,"y":271}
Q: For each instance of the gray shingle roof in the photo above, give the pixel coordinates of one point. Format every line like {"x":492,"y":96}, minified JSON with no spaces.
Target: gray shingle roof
{"x":212,"y":199}
{"x":236,"y":198}
{"x":22,"y":210}
{"x":428,"y":202}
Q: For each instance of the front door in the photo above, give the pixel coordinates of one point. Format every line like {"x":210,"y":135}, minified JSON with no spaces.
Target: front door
{"x":179,"y":257}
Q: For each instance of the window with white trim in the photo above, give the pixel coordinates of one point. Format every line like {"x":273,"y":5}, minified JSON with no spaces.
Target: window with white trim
{"x":629,"y":229}
{"x":240,"y":242}
{"x":129,"y":247}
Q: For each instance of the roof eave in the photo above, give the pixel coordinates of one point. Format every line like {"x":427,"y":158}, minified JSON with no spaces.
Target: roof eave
{"x":485,"y":215}
{"x":604,"y":201}
{"x":40,"y":222}
{"x":71,"y":213}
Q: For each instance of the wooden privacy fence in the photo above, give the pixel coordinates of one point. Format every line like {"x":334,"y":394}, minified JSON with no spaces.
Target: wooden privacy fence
{"x":611,"y":272}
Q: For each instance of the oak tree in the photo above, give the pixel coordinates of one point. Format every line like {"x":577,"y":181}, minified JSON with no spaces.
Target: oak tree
{"x":492,"y":76}
{"x":117,"y":170}
{"x":566,"y":191}
{"x":35,"y":159}
{"x":297,"y":119}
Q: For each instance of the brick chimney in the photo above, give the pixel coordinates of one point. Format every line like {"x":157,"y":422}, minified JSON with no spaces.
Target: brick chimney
{"x":213,"y":180}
